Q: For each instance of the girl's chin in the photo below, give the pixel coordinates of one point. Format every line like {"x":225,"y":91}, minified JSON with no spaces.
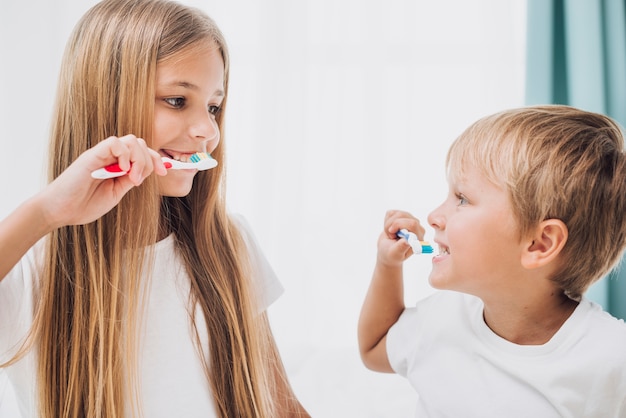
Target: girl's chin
{"x":169,"y":194}
{"x":178,"y":188}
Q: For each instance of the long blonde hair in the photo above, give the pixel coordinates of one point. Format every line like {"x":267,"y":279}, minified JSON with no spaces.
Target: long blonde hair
{"x":88,"y":311}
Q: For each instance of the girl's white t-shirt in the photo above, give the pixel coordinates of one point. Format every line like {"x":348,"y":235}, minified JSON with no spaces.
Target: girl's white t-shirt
{"x":171,"y":375}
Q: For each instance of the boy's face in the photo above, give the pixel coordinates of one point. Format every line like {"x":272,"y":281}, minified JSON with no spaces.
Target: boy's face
{"x":478,"y":238}
{"x":189,"y":93}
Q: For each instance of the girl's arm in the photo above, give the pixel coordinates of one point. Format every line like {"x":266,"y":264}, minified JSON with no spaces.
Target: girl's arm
{"x":21,"y":230}
{"x":75,"y":198}
{"x":384,"y":302}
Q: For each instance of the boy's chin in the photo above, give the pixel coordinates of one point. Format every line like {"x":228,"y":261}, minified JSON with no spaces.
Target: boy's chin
{"x":439,"y":283}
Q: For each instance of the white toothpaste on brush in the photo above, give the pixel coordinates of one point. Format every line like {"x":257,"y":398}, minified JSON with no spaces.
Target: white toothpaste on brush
{"x":419,"y":247}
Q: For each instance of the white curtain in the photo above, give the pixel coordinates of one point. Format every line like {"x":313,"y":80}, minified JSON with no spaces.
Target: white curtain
{"x":339,"y":110}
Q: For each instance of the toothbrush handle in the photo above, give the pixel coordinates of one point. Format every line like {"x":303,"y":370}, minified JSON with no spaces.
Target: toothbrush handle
{"x":114,"y":170}
{"x":108,"y":172}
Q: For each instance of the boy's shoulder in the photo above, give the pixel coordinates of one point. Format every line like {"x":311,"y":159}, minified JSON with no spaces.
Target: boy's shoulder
{"x":601,"y":318}
{"x":599,"y":329}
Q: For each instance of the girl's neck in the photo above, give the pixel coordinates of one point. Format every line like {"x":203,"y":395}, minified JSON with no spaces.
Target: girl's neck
{"x":165,"y":227}
{"x":164,"y":231}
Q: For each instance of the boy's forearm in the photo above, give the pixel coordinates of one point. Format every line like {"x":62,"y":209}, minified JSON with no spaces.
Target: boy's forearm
{"x":383,"y":305}
{"x":19,"y":231}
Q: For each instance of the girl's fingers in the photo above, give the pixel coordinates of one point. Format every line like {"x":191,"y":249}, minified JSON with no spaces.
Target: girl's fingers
{"x":115,"y":150}
{"x":141,"y":160}
{"x":132,"y":154}
{"x":157,"y":163}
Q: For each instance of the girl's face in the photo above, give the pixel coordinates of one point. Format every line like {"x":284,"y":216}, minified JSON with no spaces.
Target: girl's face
{"x":478,"y":238}
{"x":189,"y":93}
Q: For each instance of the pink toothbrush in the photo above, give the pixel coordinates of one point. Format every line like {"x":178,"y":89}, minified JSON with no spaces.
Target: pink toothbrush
{"x":198,"y":161}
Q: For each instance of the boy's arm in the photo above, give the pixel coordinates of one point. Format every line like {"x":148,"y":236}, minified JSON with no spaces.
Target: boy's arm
{"x":383,"y":305}
{"x":384,"y":302}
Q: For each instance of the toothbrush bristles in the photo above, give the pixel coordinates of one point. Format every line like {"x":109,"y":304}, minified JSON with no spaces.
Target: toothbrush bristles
{"x":199,"y":156}
{"x":426,"y":248}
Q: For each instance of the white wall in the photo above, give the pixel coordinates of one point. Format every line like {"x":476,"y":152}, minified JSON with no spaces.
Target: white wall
{"x":339,"y":110}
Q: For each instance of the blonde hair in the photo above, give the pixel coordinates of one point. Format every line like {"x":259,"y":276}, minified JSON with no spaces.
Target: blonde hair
{"x":556,"y":162}
{"x":89,"y":304}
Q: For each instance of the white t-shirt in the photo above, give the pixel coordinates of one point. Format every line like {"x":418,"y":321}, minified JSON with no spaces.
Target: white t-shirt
{"x":172,"y":379}
{"x":460,"y":368}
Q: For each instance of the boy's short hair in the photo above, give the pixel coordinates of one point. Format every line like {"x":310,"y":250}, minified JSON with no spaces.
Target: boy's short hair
{"x":556,"y":162}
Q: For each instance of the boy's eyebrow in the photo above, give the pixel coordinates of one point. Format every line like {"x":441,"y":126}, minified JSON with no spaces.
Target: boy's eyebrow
{"x":191,"y":86}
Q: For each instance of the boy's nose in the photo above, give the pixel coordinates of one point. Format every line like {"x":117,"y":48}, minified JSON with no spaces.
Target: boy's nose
{"x":436,"y":218}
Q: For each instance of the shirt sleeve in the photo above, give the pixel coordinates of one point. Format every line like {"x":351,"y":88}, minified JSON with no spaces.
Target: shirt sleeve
{"x":407,"y":336}
{"x":16,"y":302}
{"x":269,"y":287}
{"x":402,"y":341}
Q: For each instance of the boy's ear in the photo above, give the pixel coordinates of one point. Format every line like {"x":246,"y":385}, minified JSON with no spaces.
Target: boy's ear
{"x":545,"y":244}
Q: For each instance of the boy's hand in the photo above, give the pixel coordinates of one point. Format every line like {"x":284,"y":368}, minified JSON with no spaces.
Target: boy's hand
{"x":393,"y":251}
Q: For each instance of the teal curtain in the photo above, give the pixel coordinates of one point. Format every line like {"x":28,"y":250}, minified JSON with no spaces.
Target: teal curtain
{"x":576,"y":55}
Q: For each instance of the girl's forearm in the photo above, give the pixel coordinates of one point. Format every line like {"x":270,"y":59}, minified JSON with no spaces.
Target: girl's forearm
{"x":19,"y":231}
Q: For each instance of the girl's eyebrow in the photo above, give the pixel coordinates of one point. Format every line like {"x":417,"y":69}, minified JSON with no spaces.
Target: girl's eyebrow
{"x":191,"y":86}
{"x":184,"y":84}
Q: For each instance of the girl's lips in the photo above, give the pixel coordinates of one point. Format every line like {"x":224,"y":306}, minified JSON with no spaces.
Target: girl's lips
{"x":176,"y":155}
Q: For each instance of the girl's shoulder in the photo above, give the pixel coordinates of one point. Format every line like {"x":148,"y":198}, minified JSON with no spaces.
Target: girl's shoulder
{"x":243,"y":226}
{"x":268,"y":285}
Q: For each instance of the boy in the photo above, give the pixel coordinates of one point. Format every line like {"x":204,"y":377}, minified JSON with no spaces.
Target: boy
{"x":534,"y":216}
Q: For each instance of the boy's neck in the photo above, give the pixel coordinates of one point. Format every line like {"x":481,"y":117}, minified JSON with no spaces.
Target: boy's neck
{"x":530,"y":322}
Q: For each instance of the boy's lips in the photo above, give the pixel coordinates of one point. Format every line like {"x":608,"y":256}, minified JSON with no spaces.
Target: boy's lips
{"x":443,"y":254}
{"x":443,"y":249}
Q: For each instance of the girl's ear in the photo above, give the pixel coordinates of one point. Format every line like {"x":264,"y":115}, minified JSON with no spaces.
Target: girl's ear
{"x":546,"y":244}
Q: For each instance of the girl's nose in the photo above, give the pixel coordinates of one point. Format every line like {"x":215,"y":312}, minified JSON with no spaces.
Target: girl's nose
{"x":204,"y":127}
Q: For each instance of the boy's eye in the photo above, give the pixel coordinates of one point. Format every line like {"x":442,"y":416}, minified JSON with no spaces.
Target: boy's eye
{"x":462,"y":200}
{"x":214,"y":110}
{"x":176,"y":102}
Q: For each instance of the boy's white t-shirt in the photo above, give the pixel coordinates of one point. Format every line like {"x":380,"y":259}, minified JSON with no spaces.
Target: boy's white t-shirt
{"x":460,"y":368}
{"x":172,"y":379}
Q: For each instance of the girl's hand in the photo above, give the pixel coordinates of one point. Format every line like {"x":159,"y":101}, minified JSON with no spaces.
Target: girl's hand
{"x":75,"y":198}
{"x":393,"y":251}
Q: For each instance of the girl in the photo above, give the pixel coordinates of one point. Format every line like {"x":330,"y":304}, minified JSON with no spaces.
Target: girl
{"x":145,"y":298}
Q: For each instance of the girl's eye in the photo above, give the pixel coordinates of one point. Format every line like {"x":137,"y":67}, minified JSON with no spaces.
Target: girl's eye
{"x":177,"y":102}
{"x":462,"y":200}
{"x":214,"y":110}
